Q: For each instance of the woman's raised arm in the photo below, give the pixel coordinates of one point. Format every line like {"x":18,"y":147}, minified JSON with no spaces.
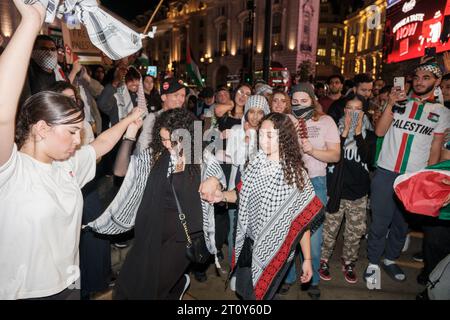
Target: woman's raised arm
{"x":13,"y":69}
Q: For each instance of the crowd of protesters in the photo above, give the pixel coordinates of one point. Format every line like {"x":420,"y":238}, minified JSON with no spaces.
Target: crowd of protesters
{"x":289,"y":167}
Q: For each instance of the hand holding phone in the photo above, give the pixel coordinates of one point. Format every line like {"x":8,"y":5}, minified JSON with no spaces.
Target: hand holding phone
{"x":399,"y":82}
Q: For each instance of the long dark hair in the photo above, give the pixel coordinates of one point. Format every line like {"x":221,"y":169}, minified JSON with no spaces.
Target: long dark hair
{"x":54,"y":108}
{"x":172,"y":120}
{"x":290,"y":156}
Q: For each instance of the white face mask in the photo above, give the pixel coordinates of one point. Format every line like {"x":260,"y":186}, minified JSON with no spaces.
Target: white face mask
{"x":45,"y":59}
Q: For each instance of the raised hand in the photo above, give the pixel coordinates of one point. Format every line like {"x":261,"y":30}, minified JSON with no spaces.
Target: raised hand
{"x":359,"y":124}
{"x":34,"y":13}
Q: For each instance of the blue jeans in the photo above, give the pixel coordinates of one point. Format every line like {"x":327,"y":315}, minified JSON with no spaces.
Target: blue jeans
{"x":320,"y":187}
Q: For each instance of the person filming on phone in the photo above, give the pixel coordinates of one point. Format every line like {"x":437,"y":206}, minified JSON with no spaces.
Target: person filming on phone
{"x":413,"y":138}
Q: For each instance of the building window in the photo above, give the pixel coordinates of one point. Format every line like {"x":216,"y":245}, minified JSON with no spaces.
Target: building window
{"x":352,"y":44}
{"x":321,"y":52}
{"x":223,"y":39}
{"x":335,"y":32}
{"x":322,"y":31}
{"x":276,"y":29}
{"x":333,"y":52}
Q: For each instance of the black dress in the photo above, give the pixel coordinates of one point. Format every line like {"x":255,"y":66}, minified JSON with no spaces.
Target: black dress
{"x":154,"y":267}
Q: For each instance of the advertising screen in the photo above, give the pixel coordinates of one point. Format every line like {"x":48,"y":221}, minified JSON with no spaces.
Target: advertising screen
{"x":414,"y":25}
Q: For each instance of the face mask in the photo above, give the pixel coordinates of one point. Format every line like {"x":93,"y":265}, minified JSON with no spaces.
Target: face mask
{"x":354,"y":116}
{"x":302,"y":112}
{"x":45,"y":59}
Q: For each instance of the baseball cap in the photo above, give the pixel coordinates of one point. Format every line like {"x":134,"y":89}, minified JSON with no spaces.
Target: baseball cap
{"x":171,"y":85}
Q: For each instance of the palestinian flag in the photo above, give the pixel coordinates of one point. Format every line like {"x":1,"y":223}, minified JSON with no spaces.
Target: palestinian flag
{"x":192,"y":68}
{"x":423,"y":192}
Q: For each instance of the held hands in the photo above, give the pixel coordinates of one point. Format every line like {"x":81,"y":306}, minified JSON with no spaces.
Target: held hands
{"x":136,"y":114}
{"x":134,"y":127}
{"x":307,"y":271}
{"x":211,"y":190}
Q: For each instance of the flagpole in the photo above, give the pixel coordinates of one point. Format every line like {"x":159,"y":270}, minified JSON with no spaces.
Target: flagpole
{"x":153,"y":16}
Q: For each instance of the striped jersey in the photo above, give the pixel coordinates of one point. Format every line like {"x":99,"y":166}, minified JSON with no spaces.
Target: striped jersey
{"x":407,"y":144}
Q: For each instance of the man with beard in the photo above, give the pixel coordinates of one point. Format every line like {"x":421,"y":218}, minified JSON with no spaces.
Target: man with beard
{"x":363,"y":85}
{"x":335,"y":84}
{"x":445,"y":87}
{"x":413,"y":137}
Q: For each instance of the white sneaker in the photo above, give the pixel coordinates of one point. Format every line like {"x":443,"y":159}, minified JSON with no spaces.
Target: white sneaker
{"x":407,"y":242}
{"x":372,"y":276}
{"x":233,"y":283}
{"x":186,"y":286}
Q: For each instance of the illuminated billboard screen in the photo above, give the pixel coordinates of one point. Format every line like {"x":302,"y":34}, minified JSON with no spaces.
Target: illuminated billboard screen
{"x":414,"y":25}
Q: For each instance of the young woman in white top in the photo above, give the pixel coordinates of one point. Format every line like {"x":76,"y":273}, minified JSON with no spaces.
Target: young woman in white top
{"x":41,"y":173}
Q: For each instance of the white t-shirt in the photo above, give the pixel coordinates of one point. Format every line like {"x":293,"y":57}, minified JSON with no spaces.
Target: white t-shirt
{"x":407,"y":144}
{"x":40,"y":222}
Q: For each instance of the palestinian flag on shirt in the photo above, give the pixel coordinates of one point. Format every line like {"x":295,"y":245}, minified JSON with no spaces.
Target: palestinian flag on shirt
{"x":407,"y":139}
{"x":192,"y":68}
{"x":423,"y":192}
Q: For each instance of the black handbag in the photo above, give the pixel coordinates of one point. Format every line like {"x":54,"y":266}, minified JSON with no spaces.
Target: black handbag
{"x":196,"y":250}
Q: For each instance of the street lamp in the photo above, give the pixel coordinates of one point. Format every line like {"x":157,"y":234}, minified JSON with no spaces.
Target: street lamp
{"x":206,"y":60}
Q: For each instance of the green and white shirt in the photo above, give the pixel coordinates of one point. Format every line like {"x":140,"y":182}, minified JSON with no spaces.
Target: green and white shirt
{"x":407,"y":144}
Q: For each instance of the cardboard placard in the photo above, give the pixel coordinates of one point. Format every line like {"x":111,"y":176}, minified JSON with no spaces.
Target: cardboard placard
{"x":78,"y":44}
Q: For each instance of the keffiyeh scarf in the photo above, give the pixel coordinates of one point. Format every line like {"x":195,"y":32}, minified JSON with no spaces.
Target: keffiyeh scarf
{"x":120,"y":215}
{"x":274,"y":215}
{"x":108,"y":34}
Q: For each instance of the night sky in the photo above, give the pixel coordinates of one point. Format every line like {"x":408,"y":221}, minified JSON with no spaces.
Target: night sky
{"x":129,"y":9}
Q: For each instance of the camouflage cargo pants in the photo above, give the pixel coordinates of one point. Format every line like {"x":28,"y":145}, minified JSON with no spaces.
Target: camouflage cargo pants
{"x":355,"y":227}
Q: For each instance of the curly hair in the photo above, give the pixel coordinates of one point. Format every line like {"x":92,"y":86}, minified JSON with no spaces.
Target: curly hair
{"x":173,"y":120}
{"x":289,"y":148}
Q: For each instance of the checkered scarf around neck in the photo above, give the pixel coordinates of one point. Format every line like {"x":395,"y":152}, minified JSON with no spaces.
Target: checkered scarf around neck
{"x":124,"y":102}
{"x":274,"y":215}
{"x":108,"y":34}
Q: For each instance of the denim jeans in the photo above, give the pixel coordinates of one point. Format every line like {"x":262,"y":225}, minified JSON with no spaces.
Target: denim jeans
{"x":320,"y":187}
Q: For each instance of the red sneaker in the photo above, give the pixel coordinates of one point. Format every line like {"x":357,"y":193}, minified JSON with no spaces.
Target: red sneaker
{"x":349,"y":272}
{"x":324,"y":271}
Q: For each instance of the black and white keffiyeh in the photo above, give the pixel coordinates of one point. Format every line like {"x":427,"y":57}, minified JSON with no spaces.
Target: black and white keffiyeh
{"x":120,"y":215}
{"x":108,"y":34}
{"x":274,"y":215}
